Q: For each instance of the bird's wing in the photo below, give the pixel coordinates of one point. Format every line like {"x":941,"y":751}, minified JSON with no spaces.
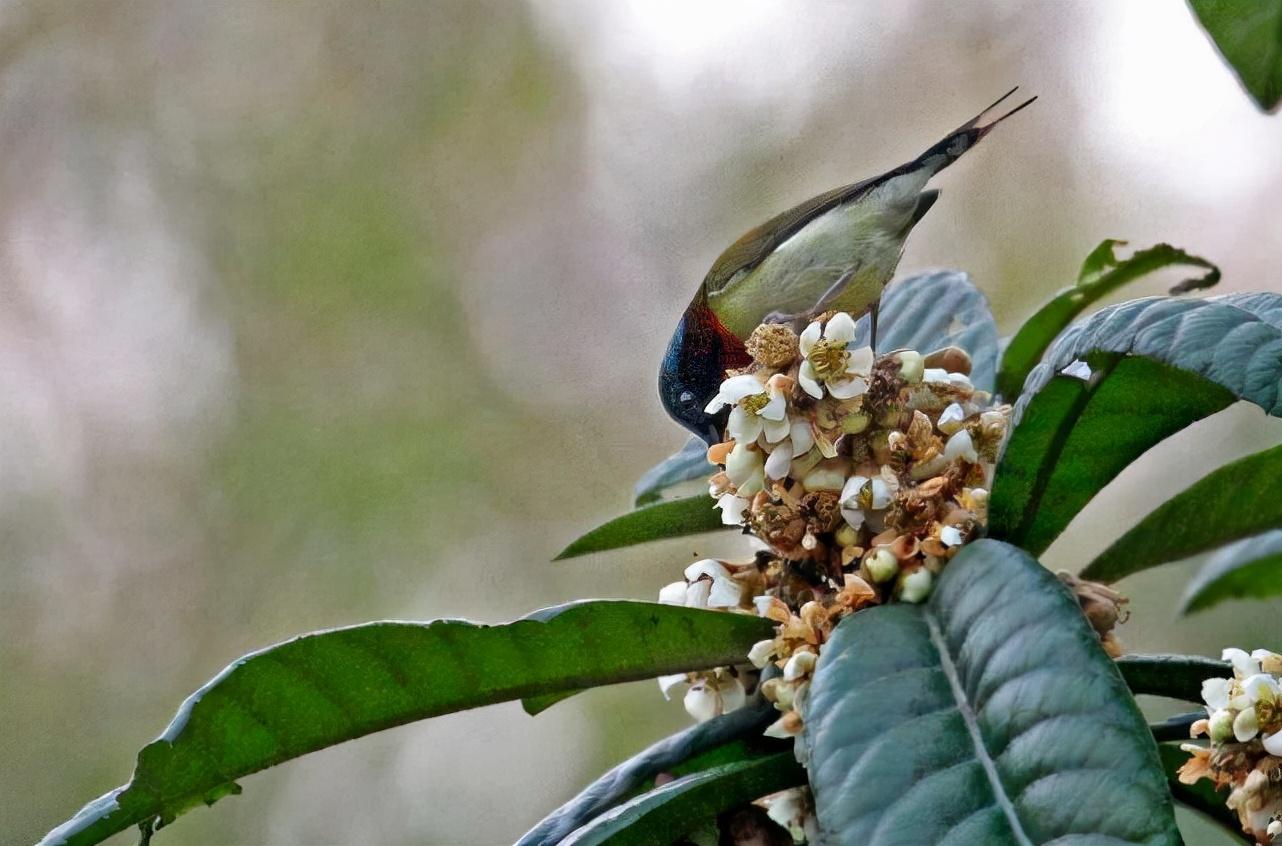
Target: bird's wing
{"x":752,"y":248}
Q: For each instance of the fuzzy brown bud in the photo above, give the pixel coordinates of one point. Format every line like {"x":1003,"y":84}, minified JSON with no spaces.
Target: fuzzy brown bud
{"x":773,"y":345}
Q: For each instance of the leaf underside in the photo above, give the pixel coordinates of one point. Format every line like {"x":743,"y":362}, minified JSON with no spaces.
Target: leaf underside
{"x":1160,"y":364}
{"x":691,"y":515}
{"x":929,"y":311}
{"x":688,"y":463}
{"x":1248,"y":569}
{"x":1248,"y":34}
{"x":1236,"y":501}
{"x":321,"y":689}
{"x":988,"y":716}
{"x":1102,"y":273}
{"x":679,"y":807}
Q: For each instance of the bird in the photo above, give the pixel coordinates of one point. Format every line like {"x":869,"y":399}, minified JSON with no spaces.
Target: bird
{"x":836,"y":251}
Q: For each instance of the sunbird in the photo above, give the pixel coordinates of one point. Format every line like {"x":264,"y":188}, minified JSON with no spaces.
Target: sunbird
{"x":835,"y":251}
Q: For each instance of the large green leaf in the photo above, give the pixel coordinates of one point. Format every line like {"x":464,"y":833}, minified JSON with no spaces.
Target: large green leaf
{"x":679,"y":807}
{"x":687,"y":464}
{"x":1248,"y":33}
{"x":1173,"y":676}
{"x":1238,"y":500}
{"x":1248,"y":569}
{"x":690,"y":515}
{"x":941,"y":308}
{"x":1102,"y":273}
{"x":1201,"y":796}
{"x":1159,"y":364}
{"x":324,"y":688}
{"x":988,"y":716}
{"x":668,"y":755}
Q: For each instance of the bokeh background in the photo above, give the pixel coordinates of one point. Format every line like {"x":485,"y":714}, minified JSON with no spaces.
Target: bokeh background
{"x":319,"y":312}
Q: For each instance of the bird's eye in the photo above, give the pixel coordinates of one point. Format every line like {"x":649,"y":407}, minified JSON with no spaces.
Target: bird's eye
{"x":687,"y":400}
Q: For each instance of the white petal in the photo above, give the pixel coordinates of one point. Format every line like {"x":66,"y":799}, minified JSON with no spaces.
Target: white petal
{"x":753,"y":485}
{"x":806,"y":379}
{"x":1243,"y":664}
{"x":951,"y":419}
{"x":1245,"y":725}
{"x":853,"y":517}
{"x":1273,"y":743}
{"x":812,"y":333}
{"x":824,"y":479}
{"x":716,"y":404}
{"x":840,"y":328}
{"x":1078,"y":370}
{"x":849,"y":388}
{"x":802,"y":437}
{"x":732,"y":696}
{"x":960,"y":380}
{"x":935,"y":374}
{"x":961,"y":446}
{"x":1260,"y":685}
{"x":780,"y":461}
{"x":800,"y":664}
{"x":851,"y":489}
{"x":775,"y":430}
{"x":709,"y":567}
{"x":775,"y":409}
{"x":673,"y":594}
{"x":762,"y":604}
{"x":697,"y":594}
{"x":725,"y":593}
{"x":950,"y":536}
{"x":666,"y":683}
{"x":861,"y":360}
{"x":777,"y":729}
{"x":743,"y":426}
{"x":761,"y":652}
{"x":744,"y":385}
{"x":1215,"y":692}
{"x":702,"y":703}
{"x":732,"y":508}
{"x":742,"y":463}
{"x":880,"y":493}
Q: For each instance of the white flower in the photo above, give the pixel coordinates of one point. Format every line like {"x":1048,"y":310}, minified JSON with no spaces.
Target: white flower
{"x":1270,"y":662}
{"x":756,"y":408}
{"x":861,"y":495}
{"x":829,"y":361}
{"x":799,"y":441}
{"x":745,"y":469}
{"x":1243,"y":664}
{"x":1261,"y":687}
{"x":1215,"y":693}
{"x":714,"y":694}
{"x":673,"y":594}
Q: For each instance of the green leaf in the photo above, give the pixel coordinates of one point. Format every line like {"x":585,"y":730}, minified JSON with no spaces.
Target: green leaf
{"x":1102,"y":273}
{"x":1248,"y":33}
{"x":1201,"y":796}
{"x":1238,"y":500}
{"x":988,"y":716}
{"x":1159,"y":365}
{"x":679,"y":807}
{"x":1248,"y":569}
{"x":687,"y":464}
{"x":716,"y":742}
{"x":324,"y":688}
{"x":690,"y":515}
{"x":1173,"y":676}
{"x":941,"y":308}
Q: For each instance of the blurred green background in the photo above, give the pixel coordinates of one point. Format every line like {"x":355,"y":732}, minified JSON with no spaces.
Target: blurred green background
{"x":320,"y":312}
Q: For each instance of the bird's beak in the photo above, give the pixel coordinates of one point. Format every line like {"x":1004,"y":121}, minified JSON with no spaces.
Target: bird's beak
{"x":712,"y":434}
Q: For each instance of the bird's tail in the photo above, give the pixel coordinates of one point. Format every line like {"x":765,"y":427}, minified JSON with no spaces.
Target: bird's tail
{"x":961,"y":139}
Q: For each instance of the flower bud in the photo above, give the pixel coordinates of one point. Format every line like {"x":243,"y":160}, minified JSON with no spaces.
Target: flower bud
{"x":951,"y":419}
{"x":915,"y":587}
{"x":1220,"y":727}
{"x":761,"y":653}
{"x":800,"y":664}
{"x":882,"y":565}
{"x":911,"y":366}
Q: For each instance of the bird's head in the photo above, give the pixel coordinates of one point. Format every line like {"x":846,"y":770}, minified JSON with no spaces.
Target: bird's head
{"x":700,"y":352}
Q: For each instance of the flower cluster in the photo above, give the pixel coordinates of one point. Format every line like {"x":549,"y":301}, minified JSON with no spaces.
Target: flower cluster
{"x":1244,"y":724}
{"x":861,"y":476}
